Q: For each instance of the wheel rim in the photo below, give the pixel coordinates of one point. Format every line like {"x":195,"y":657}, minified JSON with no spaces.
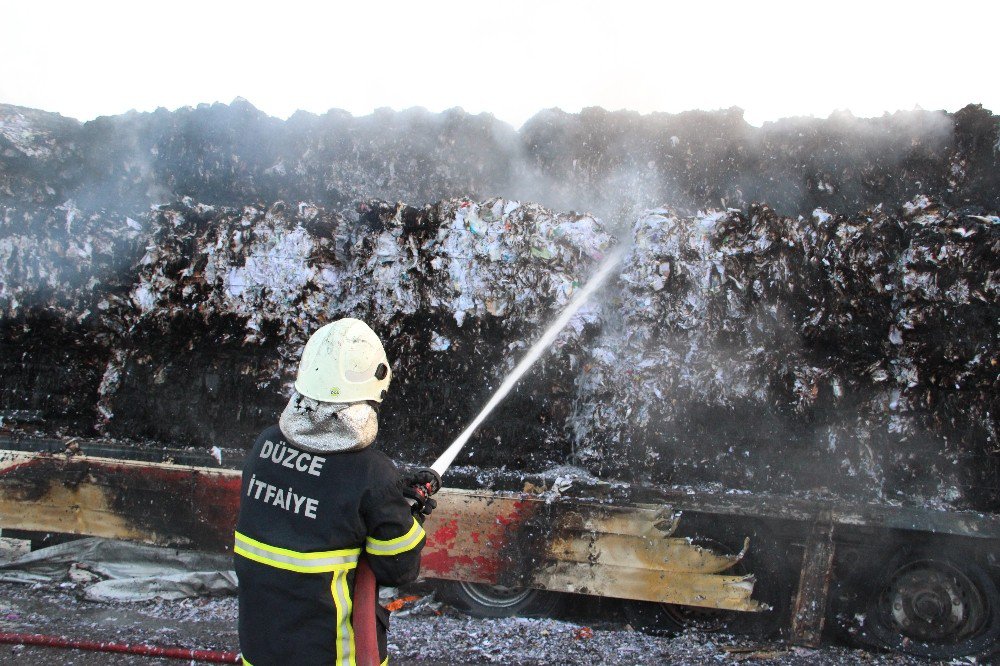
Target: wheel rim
{"x":495,"y":596}
{"x":933,"y":602}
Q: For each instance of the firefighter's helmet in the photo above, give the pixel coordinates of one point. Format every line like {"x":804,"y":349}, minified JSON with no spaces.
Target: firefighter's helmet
{"x":344,"y":362}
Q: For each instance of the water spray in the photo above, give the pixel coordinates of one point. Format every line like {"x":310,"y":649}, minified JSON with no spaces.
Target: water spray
{"x":442,"y":464}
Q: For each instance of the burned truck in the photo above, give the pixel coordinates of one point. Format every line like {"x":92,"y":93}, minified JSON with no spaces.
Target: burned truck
{"x":816,"y":375}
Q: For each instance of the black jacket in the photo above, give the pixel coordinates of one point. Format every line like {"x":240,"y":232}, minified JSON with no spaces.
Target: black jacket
{"x":305,"y":520}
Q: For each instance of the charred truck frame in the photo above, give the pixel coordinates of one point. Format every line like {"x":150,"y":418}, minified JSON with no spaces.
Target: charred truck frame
{"x":751,"y":563}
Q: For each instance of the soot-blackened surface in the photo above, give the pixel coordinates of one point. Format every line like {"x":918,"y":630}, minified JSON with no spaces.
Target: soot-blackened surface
{"x":171,"y":505}
{"x":841,"y":338}
{"x":200,"y":345}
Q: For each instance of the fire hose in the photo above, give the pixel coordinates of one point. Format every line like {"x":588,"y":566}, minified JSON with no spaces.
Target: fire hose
{"x":44,"y":640}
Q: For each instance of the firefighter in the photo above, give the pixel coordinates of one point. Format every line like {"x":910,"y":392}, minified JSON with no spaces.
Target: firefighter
{"x":316,"y":499}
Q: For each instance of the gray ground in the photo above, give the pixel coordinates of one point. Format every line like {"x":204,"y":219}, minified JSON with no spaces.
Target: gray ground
{"x":428,"y":634}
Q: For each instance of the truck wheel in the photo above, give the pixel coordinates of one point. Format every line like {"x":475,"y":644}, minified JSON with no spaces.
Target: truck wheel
{"x":482,"y":600}
{"x":937,"y":605}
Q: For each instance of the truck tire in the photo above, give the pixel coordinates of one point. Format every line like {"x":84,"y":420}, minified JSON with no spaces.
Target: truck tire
{"x":482,"y":600}
{"x":935,"y":603}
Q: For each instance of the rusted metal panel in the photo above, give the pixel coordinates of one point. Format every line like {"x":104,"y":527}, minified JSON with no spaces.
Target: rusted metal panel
{"x":475,"y":537}
{"x":157,"y":503}
{"x":846,"y":513}
{"x":572,"y":546}
{"x":971,"y":524}
{"x":674,"y":555}
{"x":478,"y":536}
{"x":809,"y":612}
{"x":690,"y":589}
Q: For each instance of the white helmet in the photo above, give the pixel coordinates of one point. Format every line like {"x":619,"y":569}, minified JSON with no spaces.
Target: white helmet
{"x":344,"y":362}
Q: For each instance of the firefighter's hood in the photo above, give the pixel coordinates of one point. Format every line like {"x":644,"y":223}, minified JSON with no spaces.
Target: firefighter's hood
{"x":328,"y":427}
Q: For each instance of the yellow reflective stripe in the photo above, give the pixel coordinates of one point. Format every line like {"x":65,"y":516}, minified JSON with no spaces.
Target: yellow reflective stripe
{"x":345,"y":631}
{"x":246,"y":662}
{"x":290,"y":560}
{"x":294,"y":553}
{"x":398,"y":545}
{"x":385,"y":662}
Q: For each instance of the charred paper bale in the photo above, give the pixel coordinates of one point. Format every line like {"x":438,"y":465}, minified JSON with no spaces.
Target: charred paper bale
{"x":64,"y":281}
{"x":222,"y":302}
{"x":234,"y":155}
{"x":490,"y":275}
{"x":851,"y":355}
{"x":613,"y":161}
{"x":607,"y":162}
{"x":39,"y":157}
{"x":225,"y":299}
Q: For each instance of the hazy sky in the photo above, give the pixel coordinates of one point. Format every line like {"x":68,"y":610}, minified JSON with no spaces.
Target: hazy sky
{"x":509,"y":58}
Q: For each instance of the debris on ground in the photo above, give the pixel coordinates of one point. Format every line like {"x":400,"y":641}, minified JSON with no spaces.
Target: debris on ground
{"x":107,"y":570}
{"x":448,"y":637}
{"x":401,"y":603}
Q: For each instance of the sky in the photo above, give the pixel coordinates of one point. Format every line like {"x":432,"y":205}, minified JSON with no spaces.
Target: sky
{"x":510,"y":58}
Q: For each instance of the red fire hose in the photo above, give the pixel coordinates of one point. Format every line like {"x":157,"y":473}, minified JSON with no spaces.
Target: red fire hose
{"x":214,"y":656}
{"x":363,"y":616}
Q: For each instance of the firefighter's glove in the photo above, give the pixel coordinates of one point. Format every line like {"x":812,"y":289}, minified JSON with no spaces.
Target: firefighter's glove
{"x":422,"y":504}
{"x":418,"y":486}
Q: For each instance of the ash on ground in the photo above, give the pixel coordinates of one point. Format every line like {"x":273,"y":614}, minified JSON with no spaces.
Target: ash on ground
{"x":434,"y":635}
